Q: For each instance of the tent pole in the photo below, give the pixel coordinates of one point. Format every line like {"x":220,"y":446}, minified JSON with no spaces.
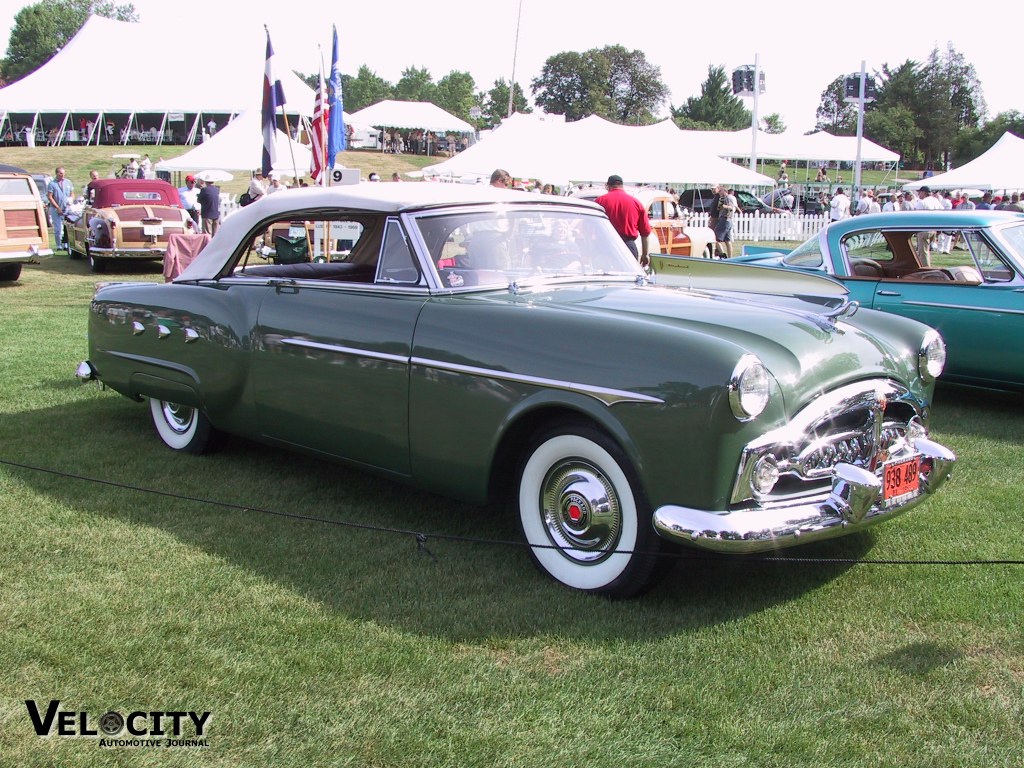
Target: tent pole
{"x":63,"y":127}
{"x":163,"y":127}
{"x":291,"y":148}
{"x":195,"y":125}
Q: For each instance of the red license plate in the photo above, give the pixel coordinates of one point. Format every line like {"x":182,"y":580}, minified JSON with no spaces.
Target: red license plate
{"x":901,"y":479}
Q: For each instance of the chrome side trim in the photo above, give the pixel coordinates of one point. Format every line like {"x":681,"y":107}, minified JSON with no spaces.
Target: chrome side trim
{"x":353,"y":351}
{"x":964,"y":308}
{"x":854,"y":502}
{"x":606,"y":395}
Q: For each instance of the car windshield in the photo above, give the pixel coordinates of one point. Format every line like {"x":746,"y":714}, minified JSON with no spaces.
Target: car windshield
{"x":807,"y":254}
{"x":1014,"y":237}
{"x":485,"y":248}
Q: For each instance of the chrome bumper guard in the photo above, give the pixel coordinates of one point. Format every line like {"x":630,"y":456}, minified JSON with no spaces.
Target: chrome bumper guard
{"x":853,"y":503}
{"x":85,"y":372}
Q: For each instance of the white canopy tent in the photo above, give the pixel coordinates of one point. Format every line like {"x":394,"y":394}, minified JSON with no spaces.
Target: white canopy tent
{"x":1001,"y":167}
{"x":85,"y":81}
{"x":412,"y":115}
{"x":793,"y":146}
{"x":239,"y":146}
{"x":591,"y":150}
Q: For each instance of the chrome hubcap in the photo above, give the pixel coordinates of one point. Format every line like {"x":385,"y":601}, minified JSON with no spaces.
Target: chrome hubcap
{"x":178,"y":417}
{"x":580,"y":510}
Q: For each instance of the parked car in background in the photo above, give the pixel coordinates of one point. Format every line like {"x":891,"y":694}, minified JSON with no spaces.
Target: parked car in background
{"x":974,"y":295}
{"x":23,"y":227}
{"x":700,"y":201}
{"x":126,"y":219}
{"x":672,"y":232}
{"x":485,"y":343}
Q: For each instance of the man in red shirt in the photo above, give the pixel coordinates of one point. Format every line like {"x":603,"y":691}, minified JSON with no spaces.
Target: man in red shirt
{"x":628,"y":216}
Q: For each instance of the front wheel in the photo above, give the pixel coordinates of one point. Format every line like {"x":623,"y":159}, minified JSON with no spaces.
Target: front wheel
{"x":183,"y":428}
{"x":583,"y":513}
{"x":10,"y":272}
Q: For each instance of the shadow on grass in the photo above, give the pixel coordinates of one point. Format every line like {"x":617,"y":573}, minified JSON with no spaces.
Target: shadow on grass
{"x":919,"y":658}
{"x":456,"y":590}
{"x":62,"y":264}
{"x":975,"y":412}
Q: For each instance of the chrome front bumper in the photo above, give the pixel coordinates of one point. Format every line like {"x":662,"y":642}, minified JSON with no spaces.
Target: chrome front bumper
{"x":852,"y":504}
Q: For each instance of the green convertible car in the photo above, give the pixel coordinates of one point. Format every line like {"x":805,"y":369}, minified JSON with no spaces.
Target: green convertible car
{"x":492,"y":344}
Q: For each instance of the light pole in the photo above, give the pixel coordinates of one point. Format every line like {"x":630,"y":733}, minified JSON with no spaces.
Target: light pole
{"x":749,"y":81}
{"x":515,"y":53}
{"x":861,"y":89}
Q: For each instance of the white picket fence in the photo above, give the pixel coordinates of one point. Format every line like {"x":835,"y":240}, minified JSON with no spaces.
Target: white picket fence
{"x":756,"y":227}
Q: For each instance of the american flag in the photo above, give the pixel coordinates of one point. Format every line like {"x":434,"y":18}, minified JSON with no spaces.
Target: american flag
{"x":273,"y":97}
{"x":321,"y":118}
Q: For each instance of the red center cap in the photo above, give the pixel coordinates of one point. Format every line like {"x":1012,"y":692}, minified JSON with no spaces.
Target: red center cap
{"x":575,"y":513}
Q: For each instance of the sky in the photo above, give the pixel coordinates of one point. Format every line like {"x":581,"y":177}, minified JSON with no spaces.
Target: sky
{"x":801,"y":46}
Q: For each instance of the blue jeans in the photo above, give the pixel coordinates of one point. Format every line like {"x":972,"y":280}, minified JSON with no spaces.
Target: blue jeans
{"x":57,"y":222}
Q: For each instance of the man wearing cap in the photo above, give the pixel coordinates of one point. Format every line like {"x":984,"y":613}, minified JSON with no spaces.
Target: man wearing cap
{"x":209,"y":207}
{"x":628,"y":216}
{"x":257,"y":186}
{"x":190,"y":198}
{"x":925,"y":201}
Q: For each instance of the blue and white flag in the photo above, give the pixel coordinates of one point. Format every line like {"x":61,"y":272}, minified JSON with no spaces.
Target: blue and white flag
{"x":273,"y":97}
{"x":336,"y":138}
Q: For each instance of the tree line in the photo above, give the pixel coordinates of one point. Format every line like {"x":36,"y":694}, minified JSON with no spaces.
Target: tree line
{"x":932,"y":113}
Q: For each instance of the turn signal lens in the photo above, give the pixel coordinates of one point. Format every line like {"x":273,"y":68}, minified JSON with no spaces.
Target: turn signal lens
{"x":765,"y":476}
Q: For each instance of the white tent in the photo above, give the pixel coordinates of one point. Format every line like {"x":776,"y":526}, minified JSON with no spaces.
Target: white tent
{"x":791,"y":146}
{"x":413,"y":115}
{"x":131,"y":70}
{"x":1001,"y":167}
{"x":239,"y":146}
{"x":591,"y":150}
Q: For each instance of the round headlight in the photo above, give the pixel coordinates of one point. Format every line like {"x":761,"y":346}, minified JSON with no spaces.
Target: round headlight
{"x":931,"y":360}
{"x":749,"y":388}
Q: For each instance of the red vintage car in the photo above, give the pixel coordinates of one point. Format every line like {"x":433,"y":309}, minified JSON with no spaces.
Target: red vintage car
{"x":126,"y":219}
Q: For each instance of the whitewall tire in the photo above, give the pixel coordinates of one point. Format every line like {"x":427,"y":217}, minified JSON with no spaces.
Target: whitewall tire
{"x":581,"y":511}
{"x":182,"y":427}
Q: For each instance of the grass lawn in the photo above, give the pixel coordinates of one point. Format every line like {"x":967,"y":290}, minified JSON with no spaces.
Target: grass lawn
{"x":314,"y":644}
{"x":78,"y":161}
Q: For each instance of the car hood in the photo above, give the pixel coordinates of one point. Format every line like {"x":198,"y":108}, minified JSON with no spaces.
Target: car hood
{"x":805,"y":349}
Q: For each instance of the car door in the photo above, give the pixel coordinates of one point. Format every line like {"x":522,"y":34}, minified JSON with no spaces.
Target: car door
{"x":331,"y":358}
{"x":981,"y":322}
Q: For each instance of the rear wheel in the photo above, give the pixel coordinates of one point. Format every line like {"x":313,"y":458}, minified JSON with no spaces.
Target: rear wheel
{"x":10,"y":272}
{"x":184,"y":428}
{"x":583,"y":513}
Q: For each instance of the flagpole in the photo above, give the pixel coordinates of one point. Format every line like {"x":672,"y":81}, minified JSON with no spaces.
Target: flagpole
{"x":287,"y":127}
{"x":325,"y":172}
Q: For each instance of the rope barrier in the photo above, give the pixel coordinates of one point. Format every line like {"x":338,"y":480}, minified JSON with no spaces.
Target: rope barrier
{"x":422,"y":538}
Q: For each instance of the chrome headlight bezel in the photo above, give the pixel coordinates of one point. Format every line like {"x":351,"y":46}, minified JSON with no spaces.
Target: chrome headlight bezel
{"x":750,"y":387}
{"x":931,"y":358}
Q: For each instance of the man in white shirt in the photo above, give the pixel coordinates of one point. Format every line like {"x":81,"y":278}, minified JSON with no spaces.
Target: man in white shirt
{"x":925,"y":201}
{"x":257,"y":186}
{"x":189,"y":195}
{"x":839,"y":208}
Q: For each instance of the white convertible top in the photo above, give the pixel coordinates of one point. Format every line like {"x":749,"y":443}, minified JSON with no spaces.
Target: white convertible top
{"x":387,"y":197}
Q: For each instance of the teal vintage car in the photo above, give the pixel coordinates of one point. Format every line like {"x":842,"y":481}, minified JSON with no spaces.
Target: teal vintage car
{"x":489,"y":344}
{"x":961,"y":272}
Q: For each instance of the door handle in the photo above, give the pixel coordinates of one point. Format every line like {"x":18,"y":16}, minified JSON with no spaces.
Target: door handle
{"x":889,"y":293}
